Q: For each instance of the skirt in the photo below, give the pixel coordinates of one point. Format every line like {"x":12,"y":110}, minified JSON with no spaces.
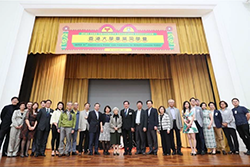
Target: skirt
{"x":105,"y":135}
{"x":115,"y":138}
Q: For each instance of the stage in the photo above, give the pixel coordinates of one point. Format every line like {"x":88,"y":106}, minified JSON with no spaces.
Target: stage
{"x":134,"y":160}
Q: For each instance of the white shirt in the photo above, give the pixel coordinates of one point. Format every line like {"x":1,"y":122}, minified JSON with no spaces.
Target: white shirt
{"x":138,"y":117}
{"x":55,"y":116}
{"x":172,"y":110}
{"x":97,"y":115}
{"x":149,"y":110}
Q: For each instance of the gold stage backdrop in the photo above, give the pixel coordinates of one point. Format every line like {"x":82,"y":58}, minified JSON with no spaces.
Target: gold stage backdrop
{"x":65,"y":77}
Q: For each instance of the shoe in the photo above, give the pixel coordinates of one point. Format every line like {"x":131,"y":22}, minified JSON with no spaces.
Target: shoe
{"x":57,"y":152}
{"x":150,"y":152}
{"x":43,"y":155}
{"x":53,"y":153}
{"x":114,"y":154}
{"x":22,"y":156}
{"x":198,"y":153}
{"x":117,"y":154}
{"x":179,"y":153}
{"x":26,"y":155}
{"x":248,"y":152}
{"x":230,"y":152}
{"x":155,"y":153}
{"x":213,"y":153}
{"x":104,"y":153}
{"x":217,"y":152}
{"x":143,"y":153}
{"x":74,"y":153}
{"x":125,"y":153}
{"x":237,"y":152}
{"x":137,"y":152}
{"x":85,"y":152}
{"x":68,"y":154}
{"x":129,"y":153}
{"x":79,"y":153}
{"x":32,"y":154}
{"x":107,"y":153}
{"x":90,"y":153}
{"x":97,"y":153}
{"x":174,"y":153}
{"x":224,"y":152}
{"x":203,"y":153}
{"x":36,"y":155}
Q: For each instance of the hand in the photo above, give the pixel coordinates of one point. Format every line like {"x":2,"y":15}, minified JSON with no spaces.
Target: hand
{"x":168,"y":131}
{"x":224,"y":124}
{"x":116,"y":128}
{"x":86,"y":117}
{"x":72,"y":131}
{"x":189,"y":125}
{"x":20,"y":126}
{"x":17,"y":127}
{"x":55,"y":124}
{"x":209,"y":127}
{"x":155,"y":127}
{"x":132,"y":129}
{"x":158,"y":131}
{"x":101,"y":129}
{"x":58,"y":130}
{"x":32,"y":128}
{"x":144,"y":129}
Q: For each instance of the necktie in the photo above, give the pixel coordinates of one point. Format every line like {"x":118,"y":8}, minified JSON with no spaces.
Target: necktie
{"x":126,"y":112}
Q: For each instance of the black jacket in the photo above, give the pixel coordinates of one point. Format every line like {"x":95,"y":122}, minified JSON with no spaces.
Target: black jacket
{"x":6,"y":116}
{"x":217,"y":119}
{"x":128,"y":121}
{"x":94,"y":123}
{"x":152,"y":118}
{"x":143,"y":119}
{"x":44,"y":119}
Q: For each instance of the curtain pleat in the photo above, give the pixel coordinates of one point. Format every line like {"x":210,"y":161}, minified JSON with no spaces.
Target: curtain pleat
{"x":190,"y":32}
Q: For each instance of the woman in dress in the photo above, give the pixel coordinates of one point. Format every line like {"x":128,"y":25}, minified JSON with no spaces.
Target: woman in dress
{"x":105,"y":130}
{"x":28,"y":129}
{"x":229,"y":127}
{"x":54,"y":122}
{"x":164,"y":130}
{"x":208,"y":129}
{"x":189,"y":126}
{"x":115,"y":130}
{"x":15,"y":130}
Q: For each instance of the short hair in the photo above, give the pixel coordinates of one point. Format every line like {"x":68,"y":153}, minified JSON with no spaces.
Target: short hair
{"x":235,"y":99}
{"x":222,"y":101}
{"x":203,"y":103}
{"x":14,"y":98}
{"x":49,"y":101}
{"x":125,"y":102}
{"x":86,"y":104}
{"x":192,"y":99}
{"x":43,"y":101}
{"x":76,"y":103}
{"x":96,"y":104}
{"x":170,"y":100}
{"x":115,"y":108}
{"x":29,"y":102}
{"x":149,"y":101}
{"x":140,"y":102}
{"x":61,"y":104}
{"x":160,"y":108}
{"x":69,"y":102}
{"x":213,"y":104}
{"x":107,"y":106}
{"x":197,"y":100}
{"x":21,"y":103}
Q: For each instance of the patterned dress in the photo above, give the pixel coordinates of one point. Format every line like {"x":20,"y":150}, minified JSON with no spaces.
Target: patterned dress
{"x":25,"y":132}
{"x":208,"y":133}
{"x":105,"y":135}
{"x":188,"y":116}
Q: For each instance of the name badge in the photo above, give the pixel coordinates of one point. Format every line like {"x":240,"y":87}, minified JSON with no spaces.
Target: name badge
{"x":130,"y":113}
{"x":216,"y":114}
{"x":235,"y":111}
{"x":51,"y":113}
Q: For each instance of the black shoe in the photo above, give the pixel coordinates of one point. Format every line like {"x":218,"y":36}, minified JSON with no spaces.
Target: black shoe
{"x":90,"y":153}
{"x":174,"y":153}
{"x":125,"y":153}
{"x":129,"y":153}
{"x":150,"y":152}
{"x":32,"y":154}
{"x":224,"y":152}
{"x":68,"y":154}
{"x":137,"y":152}
{"x":114,"y":154}
{"x":36,"y":155}
{"x":236,"y":152}
{"x":179,"y":153}
{"x":97,"y":153}
{"x":203,"y":153}
{"x":104,"y":153}
{"x":26,"y":155}
{"x":74,"y":153}
{"x":107,"y":153}
{"x":217,"y":152}
{"x":248,"y":152}
{"x":60,"y":155}
{"x":85,"y":152}
{"x":117,"y":154}
{"x":155,"y":153}
{"x":143,"y":153}
{"x":198,"y":153}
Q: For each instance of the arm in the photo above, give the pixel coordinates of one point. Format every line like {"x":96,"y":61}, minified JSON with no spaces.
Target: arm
{"x":211,"y":121}
{"x":3,"y":113}
{"x":111,"y":125}
{"x":156,"y":120}
{"x":145,"y":120}
{"x":80,"y":120}
{"x":89,"y":117}
{"x":27,"y":120}
{"x":133,"y":119}
{"x":168,"y":123}
{"x":247,"y":113}
{"x":179,"y":116}
{"x":120,"y":124}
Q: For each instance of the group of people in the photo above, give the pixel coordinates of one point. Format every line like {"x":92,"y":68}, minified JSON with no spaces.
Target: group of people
{"x":22,"y":123}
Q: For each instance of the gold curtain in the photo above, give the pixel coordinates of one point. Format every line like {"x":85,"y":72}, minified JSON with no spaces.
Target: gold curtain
{"x":190,"y":31}
{"x":48,"y":81}
{"x":76,"y":90}
{"x":117,"y":67}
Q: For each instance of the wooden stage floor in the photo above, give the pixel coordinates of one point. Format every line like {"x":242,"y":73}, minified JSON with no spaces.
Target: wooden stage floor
{"x":134,"y":160}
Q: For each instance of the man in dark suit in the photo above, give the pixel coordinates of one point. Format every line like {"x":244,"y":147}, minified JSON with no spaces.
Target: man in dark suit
{"x":6,"y":116}
{"x":141,"y":121}
{"x":152,"y":128}
{"x":94,"y":120}
{"x":43,"y":128}
{"x":128,"y":124}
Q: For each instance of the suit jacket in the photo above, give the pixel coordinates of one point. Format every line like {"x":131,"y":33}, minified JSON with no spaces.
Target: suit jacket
{"x":199,"y":115}
{"x":43,"y":119}
{"x":94,"y":123}
{"x":152,"y":118}
{"x":128,"y":121}
{"x":143,"y":119}
{"x":18,"y":118}
{"x":177,"y":118}
{"x":6,"y":116}
{"x":115,"y":123}
{"x":83,"y":122}
{"x":217,"y":119}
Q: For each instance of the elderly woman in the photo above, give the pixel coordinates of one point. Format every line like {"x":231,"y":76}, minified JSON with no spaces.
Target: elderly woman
{"x":17,"y":123}
{"x":164,"y":130}
{"x":115,"y":129}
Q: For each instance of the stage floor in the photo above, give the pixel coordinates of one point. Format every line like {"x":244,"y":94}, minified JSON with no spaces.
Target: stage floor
{"x":134,"y":160}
